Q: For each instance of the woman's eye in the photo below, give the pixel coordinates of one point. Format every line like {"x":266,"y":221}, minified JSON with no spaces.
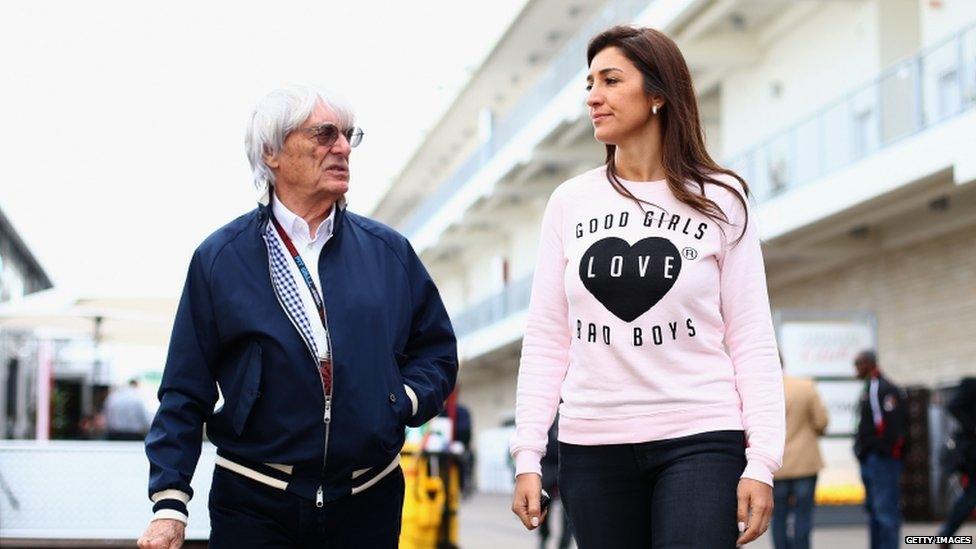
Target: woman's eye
{"x":589,"y":87}
{"x":611,"y":81}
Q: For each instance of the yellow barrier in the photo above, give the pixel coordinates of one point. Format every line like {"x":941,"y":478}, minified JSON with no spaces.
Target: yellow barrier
{"x":431,"y":499}
{"x":840,"y":494}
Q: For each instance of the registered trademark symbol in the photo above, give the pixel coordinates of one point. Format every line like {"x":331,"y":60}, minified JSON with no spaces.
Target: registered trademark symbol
{"x":689,"y":253}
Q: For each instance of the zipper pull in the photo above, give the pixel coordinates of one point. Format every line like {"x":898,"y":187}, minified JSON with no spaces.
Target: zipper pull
{"x":328,"y":411}
{"x":318,"y":498}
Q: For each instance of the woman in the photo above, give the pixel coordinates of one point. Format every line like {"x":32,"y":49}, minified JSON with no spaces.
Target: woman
{"x":649,"y":318}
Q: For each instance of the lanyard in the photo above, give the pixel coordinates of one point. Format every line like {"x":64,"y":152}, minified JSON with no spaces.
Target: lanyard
{"x":325,"y":363}
{"x":303,"y":269}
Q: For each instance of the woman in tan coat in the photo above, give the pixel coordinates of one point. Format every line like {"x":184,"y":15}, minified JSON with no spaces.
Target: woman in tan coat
{"x":794,"y":484}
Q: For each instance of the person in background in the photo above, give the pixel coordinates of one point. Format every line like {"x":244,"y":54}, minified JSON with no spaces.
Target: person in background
{"x":879,"y":445}
{"x":126,"y":417}
{"x":550,"y":471}
{"x":795,"y":483}
{"x":963,"y":408}
{"x":462,"y":433}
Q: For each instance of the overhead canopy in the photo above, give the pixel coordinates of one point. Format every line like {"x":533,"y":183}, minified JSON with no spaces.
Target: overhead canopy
{"x":134,"y":320}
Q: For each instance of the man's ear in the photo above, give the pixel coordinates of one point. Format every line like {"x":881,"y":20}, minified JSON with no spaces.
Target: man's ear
{"x":270,"y":160}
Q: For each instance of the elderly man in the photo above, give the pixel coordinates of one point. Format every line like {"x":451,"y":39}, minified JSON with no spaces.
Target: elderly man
{"x":325,"y":337}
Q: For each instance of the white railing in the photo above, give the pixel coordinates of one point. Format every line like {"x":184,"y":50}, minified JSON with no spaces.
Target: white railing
{"x":937,"y":83}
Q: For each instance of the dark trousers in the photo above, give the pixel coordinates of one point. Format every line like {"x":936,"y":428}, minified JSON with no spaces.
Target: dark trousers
{"x":961,"y":509}
{"x":671,"y":493}
{"x":245,"y":513}
{"x":793,"y":497}
{"x":881,"y":475}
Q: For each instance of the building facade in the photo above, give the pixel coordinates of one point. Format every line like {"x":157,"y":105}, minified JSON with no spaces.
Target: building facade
{"x":853,"y":121}
{"x":20,"y":275}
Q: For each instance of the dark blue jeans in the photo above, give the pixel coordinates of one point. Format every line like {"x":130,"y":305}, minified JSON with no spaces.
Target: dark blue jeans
{"x":881,"y":475}
{"x":961,"y":509}
{"x":245,"y":514}
{"x":671,"y":493}
{"x":793,"y":497}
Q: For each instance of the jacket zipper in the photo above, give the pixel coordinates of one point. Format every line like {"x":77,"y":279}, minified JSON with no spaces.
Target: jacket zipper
{"x":327,"y":414}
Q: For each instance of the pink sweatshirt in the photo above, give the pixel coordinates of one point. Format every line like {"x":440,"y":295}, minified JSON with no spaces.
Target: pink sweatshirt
{"x":648,"y":327}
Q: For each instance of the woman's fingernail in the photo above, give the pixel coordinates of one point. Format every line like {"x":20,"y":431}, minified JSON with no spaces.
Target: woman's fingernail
{"x":535,"y":521}
{"x":742,"y":527}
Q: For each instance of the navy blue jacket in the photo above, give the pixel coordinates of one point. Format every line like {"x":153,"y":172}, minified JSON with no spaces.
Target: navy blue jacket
{"x":387,"y":326}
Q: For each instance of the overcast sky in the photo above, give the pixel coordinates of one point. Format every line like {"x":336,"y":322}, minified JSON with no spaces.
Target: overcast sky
{"x":122,"y":122}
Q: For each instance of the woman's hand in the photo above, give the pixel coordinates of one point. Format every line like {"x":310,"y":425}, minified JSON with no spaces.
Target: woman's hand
{"x":755,"y":509}
{"x":525,"y":503}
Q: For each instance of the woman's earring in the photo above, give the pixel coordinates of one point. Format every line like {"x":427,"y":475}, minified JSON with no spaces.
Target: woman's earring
{"x":654,"y":109}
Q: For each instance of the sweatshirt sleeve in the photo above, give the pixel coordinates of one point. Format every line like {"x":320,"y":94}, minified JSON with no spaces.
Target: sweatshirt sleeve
{"x":545,"y":347}
{"x":751,"y":345}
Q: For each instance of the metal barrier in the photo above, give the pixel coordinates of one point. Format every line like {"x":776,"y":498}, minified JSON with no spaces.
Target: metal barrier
{"x":512,"y":299}
{"x":86,"y":490}
{"x":937,"y":83}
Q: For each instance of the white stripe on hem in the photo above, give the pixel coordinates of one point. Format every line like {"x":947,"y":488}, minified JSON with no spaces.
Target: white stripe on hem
{"x":393,"y":465}
{"x":171,"y":494}
{"x":286,"y":469}
{"x":413,"y":399}
{"x":170,"y":514}
{"x":251,"y":473}
{"x":360,"y":472}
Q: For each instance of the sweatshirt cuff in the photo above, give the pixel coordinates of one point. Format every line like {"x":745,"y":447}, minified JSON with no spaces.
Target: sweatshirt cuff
{"x":528,"y":461}
{"x":757,"y":470}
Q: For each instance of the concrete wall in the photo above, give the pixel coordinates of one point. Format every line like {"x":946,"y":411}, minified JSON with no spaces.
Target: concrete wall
{"x":924,"y":297}
{"x":944,"y":18}
{"x":809,"y":67}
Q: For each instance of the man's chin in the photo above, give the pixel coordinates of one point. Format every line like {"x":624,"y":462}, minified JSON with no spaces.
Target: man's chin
{"x":336,"y":185}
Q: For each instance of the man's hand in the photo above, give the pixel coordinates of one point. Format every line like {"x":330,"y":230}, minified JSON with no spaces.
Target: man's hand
{"x":754,"y":510}
{"x":163,"y":534}
{"x":525,"y":503}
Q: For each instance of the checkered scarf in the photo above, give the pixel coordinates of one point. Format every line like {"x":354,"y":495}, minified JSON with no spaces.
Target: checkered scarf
{"x":286,"y":288}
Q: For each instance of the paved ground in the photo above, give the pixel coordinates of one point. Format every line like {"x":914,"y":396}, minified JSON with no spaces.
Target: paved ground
{"x":487,"y":523}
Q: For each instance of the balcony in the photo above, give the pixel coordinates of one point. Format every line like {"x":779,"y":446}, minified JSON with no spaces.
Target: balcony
{"x":935,"y":85}
{"x":565,"y":67}
{"x":512,"y":299}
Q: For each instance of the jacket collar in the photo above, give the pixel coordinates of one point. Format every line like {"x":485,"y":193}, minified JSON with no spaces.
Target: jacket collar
{"x":264,"y":210}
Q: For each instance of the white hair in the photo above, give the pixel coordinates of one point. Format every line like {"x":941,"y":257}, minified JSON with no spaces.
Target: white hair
{"x":278,"y":114}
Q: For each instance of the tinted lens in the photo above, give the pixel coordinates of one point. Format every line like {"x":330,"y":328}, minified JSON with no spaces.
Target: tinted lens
{"x":326,"y":134}
{"x":354,"y":136}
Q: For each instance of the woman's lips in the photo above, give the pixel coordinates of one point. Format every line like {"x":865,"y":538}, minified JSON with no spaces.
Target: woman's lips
{"x":598,"y":117}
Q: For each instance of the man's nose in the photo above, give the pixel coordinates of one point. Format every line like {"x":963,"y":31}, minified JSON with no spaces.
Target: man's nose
{"x":341,"y":146}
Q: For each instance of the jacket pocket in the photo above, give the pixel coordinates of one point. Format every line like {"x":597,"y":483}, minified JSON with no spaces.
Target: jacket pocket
{"x":250,"y":387}
{"x":405,"y":408}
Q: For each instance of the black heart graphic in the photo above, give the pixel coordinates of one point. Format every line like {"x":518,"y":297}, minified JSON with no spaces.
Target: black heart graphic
{"x":629,"y":280}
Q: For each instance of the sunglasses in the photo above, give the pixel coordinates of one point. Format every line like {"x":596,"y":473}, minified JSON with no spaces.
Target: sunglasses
{"x":327,"y":134}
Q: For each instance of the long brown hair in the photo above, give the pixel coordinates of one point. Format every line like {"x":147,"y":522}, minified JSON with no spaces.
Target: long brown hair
{"x":684,"y":156}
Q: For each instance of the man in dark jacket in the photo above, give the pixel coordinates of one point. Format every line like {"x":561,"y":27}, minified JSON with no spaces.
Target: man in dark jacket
{"x":325,"y":337}
{"x":963,"y":408}
{"x":879,"y":445}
